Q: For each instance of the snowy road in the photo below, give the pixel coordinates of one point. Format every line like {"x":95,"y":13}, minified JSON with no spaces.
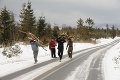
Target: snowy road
{"x":86,"y":65}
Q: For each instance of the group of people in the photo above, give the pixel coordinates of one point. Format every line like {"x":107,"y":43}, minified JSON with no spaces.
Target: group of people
{"x":52,"y":46}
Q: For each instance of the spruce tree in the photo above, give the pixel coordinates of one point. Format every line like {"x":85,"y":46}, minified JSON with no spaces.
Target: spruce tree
{"x":41,"y":27}
{"x":113,"y":32}
{"x":90,"y":22}
{"x":13,"y":28}
{"x":5,"y":23}
{"x":49,"y":31}
{"x":56,"y":31}
{"x":80,"y":23}
{"x":27,"y":22}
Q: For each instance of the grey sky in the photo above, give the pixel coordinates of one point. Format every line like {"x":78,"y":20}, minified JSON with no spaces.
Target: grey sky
{"x":69,"y":11}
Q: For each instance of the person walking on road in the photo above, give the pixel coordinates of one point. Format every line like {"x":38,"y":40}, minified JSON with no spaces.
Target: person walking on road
{"x":35,"y":47}
{"x":70,"y":47}
{"x":60,"y":40}
{"x":52,"y":45}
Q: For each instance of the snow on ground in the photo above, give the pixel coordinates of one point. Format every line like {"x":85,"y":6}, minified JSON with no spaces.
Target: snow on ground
{"x":111,"y":62}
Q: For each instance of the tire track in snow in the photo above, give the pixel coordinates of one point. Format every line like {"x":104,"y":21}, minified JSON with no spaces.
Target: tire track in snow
{"x":82,"y":72}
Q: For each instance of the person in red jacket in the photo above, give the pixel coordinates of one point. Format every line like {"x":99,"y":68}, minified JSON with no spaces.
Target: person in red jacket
{"x":52,"y":45}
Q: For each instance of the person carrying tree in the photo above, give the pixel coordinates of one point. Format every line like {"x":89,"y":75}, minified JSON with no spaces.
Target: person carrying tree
{"x":35,"y":47}
{"x":60,"y":40}
{"x":52,"y":45}
{"x":70,"y":47}
{"x":35,"y":43}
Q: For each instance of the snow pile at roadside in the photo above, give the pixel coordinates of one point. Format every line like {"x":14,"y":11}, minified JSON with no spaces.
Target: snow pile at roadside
{"x":111,"y":63}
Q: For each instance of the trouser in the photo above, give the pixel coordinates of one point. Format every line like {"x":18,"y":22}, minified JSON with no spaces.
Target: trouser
{"x":70,"y":50}
{"x":60,"y":53}
{"x":35,"y":54}
{"x":53,"y":52}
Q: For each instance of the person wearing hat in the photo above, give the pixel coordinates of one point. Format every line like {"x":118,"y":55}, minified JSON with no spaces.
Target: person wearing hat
{"x":35,"y":47}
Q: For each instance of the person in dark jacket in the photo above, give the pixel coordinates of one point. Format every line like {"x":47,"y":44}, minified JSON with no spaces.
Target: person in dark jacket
{"x":35,"y":47}
{"x":60,"y":40}
{"x":70,"y":47}
{"x":52,"y":45}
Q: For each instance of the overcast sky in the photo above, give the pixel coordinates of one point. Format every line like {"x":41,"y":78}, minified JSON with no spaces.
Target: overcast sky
{"x":69,"y":11}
